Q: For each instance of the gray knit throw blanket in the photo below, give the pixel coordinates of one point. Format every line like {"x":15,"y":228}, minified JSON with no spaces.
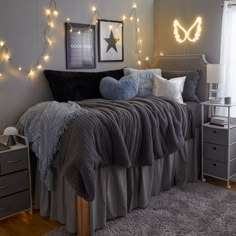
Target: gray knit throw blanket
{"x":43,"y":125}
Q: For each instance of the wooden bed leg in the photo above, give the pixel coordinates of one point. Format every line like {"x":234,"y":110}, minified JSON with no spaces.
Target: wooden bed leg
{"x":83,"y":217}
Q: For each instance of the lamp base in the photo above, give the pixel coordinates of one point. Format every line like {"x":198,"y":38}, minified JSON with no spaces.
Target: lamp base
{"x":11,"y":141}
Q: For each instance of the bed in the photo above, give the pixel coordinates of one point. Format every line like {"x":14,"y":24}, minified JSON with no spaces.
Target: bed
{"x":118,"y":188}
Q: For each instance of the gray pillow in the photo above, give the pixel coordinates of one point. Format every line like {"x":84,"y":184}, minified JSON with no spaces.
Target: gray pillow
{"x":190,"y":85}
{"x":123,"y":89}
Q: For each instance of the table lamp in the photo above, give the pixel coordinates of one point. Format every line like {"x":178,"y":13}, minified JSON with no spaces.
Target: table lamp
{"x":11,"y":132}
{"x":214,"y":77}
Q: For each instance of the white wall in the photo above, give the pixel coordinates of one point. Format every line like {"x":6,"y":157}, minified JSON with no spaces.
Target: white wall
{"x":22,"y":23}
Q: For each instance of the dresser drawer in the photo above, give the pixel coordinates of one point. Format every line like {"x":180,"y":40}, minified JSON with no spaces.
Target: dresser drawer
{"x":218,"y":169}
{"x":14,"y":203}
{"x":13,"y":183}
{"x":13,"y":161}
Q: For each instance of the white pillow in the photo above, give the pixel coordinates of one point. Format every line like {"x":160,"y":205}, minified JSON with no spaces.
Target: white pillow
{"x":171,"y":88}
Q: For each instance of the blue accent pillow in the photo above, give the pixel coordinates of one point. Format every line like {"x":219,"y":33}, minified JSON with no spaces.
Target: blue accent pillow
{"x":123,"y":89}
{"x":146,"y":80}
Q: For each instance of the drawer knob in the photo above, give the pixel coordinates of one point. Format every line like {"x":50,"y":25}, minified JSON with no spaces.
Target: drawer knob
{"x":14,"y":161}
{"x":3,"y":187}
{"x":215,"y":131}
{"x":214,"y":164}
{"x":214,"y":148}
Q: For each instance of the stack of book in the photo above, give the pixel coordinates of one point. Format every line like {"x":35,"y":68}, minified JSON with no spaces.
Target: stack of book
{"x":219,"y":121}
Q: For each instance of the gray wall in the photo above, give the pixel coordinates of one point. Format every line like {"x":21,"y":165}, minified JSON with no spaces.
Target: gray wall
{"x":22,"y":25}
{"x":187,"y":11}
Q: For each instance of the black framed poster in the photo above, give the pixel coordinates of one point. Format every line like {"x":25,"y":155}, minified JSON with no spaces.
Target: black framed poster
{"x":80,"y":46}
{"x":110,"y":41}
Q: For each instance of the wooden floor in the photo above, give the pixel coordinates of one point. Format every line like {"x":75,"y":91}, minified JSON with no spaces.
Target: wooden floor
{"x":24,"y":224}
{"x":35,"y":225}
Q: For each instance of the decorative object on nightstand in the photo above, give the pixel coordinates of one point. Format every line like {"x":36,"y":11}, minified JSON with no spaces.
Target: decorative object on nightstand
{"x":15,"y":179}
{"x":10,"y":131}
{"x":227,"y":100}
{"x":214,"y":77}
{"x":218,"y":144}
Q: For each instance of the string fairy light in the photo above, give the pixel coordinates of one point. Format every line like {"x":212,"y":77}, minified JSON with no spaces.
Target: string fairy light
{"x":7,"y":57}
{"x":55,"y":13}
{"x":93,"y":9}
{"x":31,"y":73}
{"x":39,"y":67}
{"x":2,"y":43}
{"x":46,"y":57}
{"x":52,"y":13}
{"x":48,"y":12}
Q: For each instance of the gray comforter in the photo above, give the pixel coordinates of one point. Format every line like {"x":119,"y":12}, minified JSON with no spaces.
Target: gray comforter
{"x":125,"y":133}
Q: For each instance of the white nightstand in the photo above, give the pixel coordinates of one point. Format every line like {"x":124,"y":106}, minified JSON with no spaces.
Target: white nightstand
{"x":15,"y":179}
{"x":218,"y":146}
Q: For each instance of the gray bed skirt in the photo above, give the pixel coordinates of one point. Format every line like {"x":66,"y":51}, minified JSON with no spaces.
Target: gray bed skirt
{"x":119,"y":190}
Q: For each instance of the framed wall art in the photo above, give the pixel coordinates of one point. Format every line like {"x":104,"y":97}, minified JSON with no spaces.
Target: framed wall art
{"x":80,"y":46}
{"x":110,"y":41}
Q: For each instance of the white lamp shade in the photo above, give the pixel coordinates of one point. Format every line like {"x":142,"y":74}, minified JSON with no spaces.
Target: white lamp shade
{"x":10,"y":131}
{"x":214,"y":73}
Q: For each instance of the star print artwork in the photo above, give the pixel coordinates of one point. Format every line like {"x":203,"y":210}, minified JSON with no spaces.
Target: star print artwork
{"x":110,"y":41}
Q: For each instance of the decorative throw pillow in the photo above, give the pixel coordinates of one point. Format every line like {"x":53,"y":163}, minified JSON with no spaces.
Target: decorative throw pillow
{"x":123,"y":89}
{"x":145,"y":78}
{"x":172,"y":88}
{"x":190,"y":85}
{"x":76,"y":86}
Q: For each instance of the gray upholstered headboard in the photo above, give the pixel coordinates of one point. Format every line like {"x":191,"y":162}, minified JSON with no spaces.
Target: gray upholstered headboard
{"x":187,"y":63}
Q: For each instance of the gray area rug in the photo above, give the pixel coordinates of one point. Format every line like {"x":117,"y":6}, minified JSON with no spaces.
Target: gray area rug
{"x":195,"y":209}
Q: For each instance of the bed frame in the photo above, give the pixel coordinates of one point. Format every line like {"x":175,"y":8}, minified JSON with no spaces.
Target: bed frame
{"x":171,"y":62}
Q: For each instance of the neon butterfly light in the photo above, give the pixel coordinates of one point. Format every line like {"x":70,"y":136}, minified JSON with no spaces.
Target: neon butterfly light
{"x":187,"y":33}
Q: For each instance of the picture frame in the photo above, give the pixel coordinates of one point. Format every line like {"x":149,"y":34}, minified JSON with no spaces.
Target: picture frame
{"x":80,"y":46}
{"x":110,"y":41}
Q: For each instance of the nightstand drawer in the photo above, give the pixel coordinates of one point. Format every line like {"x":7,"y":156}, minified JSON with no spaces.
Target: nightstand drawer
{"x":215,"y":168}
{"x":14,"y":183}
{"x":218,"y":152}
{"x":214,"y":135}
{"x":218,"y":169}
{"x":13,"y":161}
{"x":215,"y":152}
{"x":219,"y":136}
{"x":14,"y":203}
